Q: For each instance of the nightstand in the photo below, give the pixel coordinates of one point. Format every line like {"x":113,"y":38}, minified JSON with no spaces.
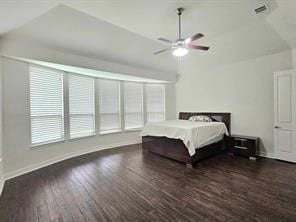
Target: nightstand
{"x":243,"y":145}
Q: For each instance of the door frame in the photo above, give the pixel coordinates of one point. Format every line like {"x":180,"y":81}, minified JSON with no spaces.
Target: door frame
{"x":289,"y":126}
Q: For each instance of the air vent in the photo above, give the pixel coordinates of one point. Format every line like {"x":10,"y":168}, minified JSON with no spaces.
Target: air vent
{"x":261,"y":9}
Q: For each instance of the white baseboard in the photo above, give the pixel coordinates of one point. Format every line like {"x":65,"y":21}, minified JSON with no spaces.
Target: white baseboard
{"x":2,"y":181}
{"x":45,"y":163}
{"x":267,"y":155}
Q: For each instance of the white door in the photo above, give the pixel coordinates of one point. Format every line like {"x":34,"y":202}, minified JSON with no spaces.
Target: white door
{"x":285,"y":115}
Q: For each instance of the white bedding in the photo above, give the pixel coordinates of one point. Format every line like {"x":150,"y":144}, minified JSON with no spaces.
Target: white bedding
{"x":193,"y":134}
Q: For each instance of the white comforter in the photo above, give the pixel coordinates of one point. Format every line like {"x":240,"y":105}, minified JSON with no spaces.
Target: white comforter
{"x":193,"y":134}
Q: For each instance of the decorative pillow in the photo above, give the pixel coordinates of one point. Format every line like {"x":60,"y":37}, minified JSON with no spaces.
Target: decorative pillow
{"x":200,"y":119}
{"x":217,"y":118}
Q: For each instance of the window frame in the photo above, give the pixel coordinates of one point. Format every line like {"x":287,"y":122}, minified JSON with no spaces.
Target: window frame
{"x":66,"y":106}
{"x":98,"y":111}
{"x":68,"y":114}
{"x":164,"y":101}
{"x":63,"y":138}
{"x":143,"y":107}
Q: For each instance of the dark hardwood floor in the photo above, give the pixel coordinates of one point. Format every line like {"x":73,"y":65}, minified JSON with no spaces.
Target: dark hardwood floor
{"x":124,"y":185}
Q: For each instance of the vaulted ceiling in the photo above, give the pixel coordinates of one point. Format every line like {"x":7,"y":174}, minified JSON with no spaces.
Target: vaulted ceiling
{"x":70,"y":30}
{"x":126,"y":31}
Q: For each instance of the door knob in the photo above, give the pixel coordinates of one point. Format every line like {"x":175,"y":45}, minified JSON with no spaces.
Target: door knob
{"x":277,"y":127}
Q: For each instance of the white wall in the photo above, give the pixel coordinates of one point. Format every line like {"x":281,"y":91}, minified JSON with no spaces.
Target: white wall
{"x":1,"y":156}
{"x":245,"y":89}
{"x":19,"y":156}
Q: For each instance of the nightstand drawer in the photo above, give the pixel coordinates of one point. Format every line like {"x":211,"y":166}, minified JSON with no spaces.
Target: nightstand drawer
{"x":241,"y":150}
{"x":243,"y":145}
{"x":241,"y":142}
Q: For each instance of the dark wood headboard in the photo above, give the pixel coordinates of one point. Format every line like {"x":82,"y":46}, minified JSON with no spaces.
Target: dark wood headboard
{"x":219,"y":117}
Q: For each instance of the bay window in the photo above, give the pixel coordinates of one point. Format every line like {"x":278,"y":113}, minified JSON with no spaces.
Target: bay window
{"x":67,"y":105}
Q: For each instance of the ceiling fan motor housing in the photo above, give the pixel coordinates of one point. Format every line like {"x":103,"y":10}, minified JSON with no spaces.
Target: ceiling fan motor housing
{"x":180,"y":43}
{"x":180,"y":11}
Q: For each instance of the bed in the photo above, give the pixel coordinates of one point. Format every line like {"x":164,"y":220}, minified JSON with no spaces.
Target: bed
{"x":173,"y":146}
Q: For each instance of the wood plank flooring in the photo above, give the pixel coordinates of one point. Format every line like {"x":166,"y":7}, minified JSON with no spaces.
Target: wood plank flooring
{"x":125,"y":185}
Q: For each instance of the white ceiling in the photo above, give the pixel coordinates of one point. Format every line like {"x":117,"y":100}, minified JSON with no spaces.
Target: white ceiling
{"x":69,"y":30}
{"x":150,"y":18}
{"x":283,"y":20}
{"x":231,"y":28}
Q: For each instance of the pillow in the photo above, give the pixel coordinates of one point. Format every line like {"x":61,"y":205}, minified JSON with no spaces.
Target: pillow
{"x":200,"y":119}
{"x":217,"y":118}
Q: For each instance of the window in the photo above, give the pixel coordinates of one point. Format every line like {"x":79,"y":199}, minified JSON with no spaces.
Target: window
{"x":120,"y":104}
{"x":81,"y":106}
{"x":109,"y":106}
{"x":155,"y":102}
{"x":46,"y":105}
{"x":133,"y":105}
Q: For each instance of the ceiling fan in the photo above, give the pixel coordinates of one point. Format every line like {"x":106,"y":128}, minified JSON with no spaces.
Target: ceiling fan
{"x":180,"y":46}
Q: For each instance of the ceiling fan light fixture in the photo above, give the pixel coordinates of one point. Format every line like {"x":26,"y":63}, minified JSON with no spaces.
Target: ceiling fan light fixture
{"x":180,"y":51}
{"x":180,"y":46}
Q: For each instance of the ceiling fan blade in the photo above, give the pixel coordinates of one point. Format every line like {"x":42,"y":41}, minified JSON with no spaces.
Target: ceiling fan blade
{"x":165,"y":40}
{"x":161,"y":51}
{"x":193,"y":38}
{"x":198,"y":47}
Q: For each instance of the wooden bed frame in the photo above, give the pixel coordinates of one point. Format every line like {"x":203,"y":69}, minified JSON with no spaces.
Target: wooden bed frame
{"x":175,"y":148}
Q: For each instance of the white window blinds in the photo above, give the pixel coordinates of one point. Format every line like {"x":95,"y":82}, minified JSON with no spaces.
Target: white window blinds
{"x":109,"y":106}
{"x":133,"y":105}
{"x":81,"y":106}
{"x":155,"y":102}
{"x":46,"y":105}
